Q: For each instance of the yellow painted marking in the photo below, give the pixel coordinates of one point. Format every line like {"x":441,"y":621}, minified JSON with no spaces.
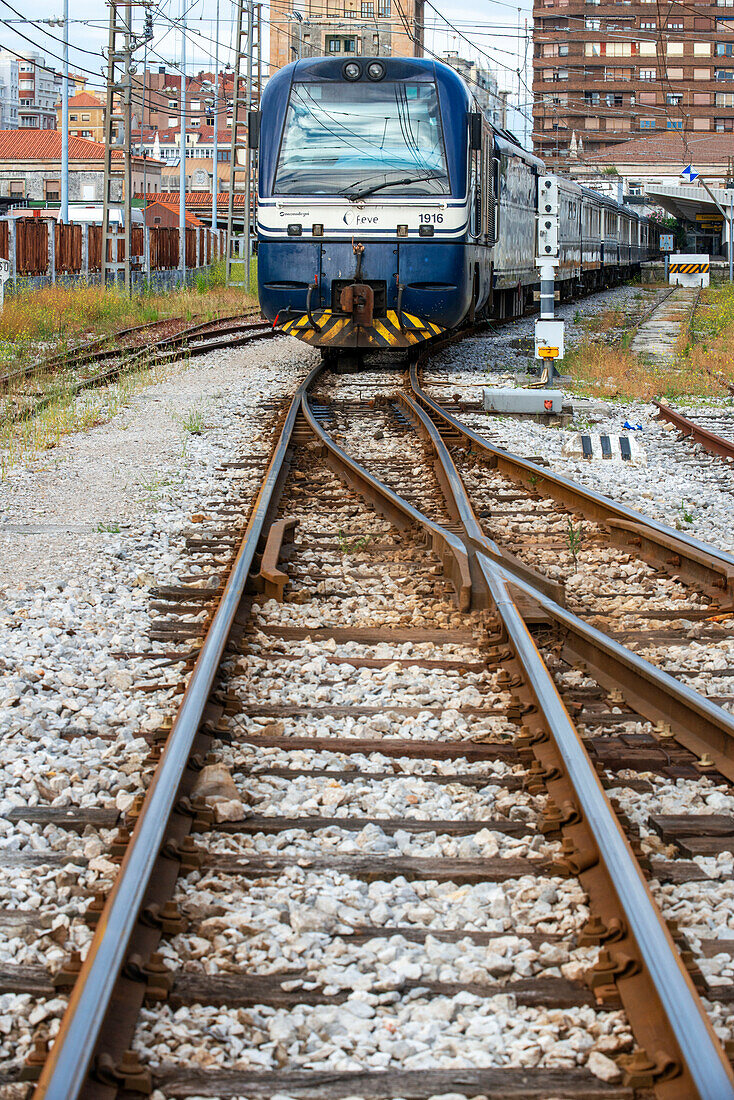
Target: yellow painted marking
{"x":384,"y":332}
{"x":548,"y":353}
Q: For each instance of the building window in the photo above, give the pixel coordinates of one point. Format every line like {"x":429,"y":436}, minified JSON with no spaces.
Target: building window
{"x":647,"y":123}
{"x":648,"y":49}
{"x":172,"y":104}
{"x":86,"y":118}
{"x":723,"y":125}
{"x":675,"y":74}
{"x":702,"y":74}
{"x":674,"y":100}
{"x":725,"y":49}
{"x":701,"y":124}
{"x":592,"y":24}
{"x":674,"y":124}
{"x":703,"y":49}
{"x":591,"y":99}
{"x":675,"y":49}
{"x":614,"y":99}
{"x":723,"y":74}
{"x":648,"y":26}
{"x":368,"y":9}
{"x":349,"y":45}
{"x":333,"y":45}
{"x":52,"y":190}
{"x":592,"y":49}
{"x":384,"y":8}
{"x":674,"y":27}
{"x":648,"y":97}
{"x":591,"y":123}
{"x":648,"y":74}
{"x":722,"y":99}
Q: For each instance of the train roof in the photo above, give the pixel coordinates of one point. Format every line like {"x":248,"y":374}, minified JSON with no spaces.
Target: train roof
{"x":504,"y":144}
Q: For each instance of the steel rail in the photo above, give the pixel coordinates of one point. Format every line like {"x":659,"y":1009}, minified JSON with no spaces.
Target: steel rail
{"x":703,"y":726}
{"x":714,"y":444}
{"x":703,"y":562}
{"x":703,"y":1057}
{"x":70,"y":1057}
{"x":701,"y":1051}
{"x":399,"y":511}
{"x":99,"y":349}
{"x":140,"y":357}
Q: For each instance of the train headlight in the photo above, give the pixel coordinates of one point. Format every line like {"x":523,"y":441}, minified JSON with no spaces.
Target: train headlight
{"x":375,"y":70}
{"x":352,"y":71}
{"x":425,"y":231}
{"x":402,"y":231}
{"x":295,"y":229}
{"x":317,"y":229}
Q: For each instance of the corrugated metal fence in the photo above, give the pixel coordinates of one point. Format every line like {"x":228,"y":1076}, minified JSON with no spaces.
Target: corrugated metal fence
{"x":77,"y":249}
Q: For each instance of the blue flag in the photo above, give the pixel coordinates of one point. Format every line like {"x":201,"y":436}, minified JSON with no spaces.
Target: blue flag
{"x":689,"y":174}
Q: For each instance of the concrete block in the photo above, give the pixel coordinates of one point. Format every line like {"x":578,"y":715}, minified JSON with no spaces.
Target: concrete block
{"x":523,"y":401}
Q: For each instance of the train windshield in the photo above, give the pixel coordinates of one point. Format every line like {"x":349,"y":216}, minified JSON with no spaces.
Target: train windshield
{"x":351,"y":139}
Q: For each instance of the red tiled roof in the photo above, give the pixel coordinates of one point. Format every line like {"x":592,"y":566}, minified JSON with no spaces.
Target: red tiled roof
{"x":191,"y":219}
{"x":84,"y":99}
{"x":668,"y":147}
{"x":46,"y":145}
{"x":196,"y":199}
{"x":205,"y":135}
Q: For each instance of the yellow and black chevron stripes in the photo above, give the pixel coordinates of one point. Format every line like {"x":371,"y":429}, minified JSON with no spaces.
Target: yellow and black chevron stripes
{"x":688,"y":269}
{"x":338,"y":330}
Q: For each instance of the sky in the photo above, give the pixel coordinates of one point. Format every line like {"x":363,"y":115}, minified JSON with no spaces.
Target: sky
{"x":490,"y":30}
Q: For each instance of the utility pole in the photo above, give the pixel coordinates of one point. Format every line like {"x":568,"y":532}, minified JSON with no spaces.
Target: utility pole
{"x":65,"y":122}
{"x":182,"y":178}
{"x":118,"y":135}
{"x":148,"y":29}
{"x":215,"y":150}
{"x":247,"y":40}
{"x":119,"y":52}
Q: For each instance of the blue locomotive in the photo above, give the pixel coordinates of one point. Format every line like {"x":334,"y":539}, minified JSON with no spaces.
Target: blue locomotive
{"x":390,"y":209}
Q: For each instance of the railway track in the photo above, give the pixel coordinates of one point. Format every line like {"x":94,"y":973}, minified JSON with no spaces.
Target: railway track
{"x":705,"y":430}
{"x":375,"y":855}
{"x":35,"y":386}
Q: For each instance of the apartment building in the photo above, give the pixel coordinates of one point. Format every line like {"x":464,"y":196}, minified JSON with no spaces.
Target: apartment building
{"x":156,"y":99}
{"x":86,"y":117}
{"x":39,"y":90}
{"x":9,"y":97}
{"x":605,"y":72}
{"x":345,"y":28}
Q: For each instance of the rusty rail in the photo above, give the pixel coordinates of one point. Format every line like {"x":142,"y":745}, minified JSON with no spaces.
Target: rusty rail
{"x":652,"y":980}
{"x":92,"y":1001}
{"x":649,"y":975}
{"x":710,"y":442}
{"x":697,"y":562}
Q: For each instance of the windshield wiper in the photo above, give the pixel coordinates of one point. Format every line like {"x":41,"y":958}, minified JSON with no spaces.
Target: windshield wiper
{"x":354,"y":195}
